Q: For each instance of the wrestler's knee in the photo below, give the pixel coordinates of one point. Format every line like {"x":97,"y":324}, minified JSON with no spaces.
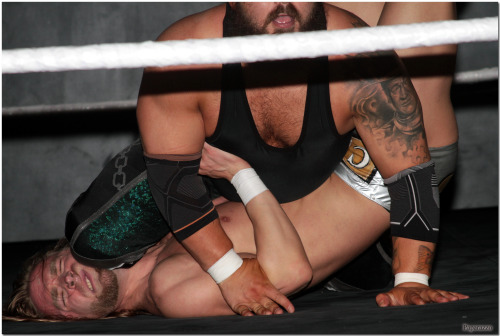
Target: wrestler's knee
{"x":445,"y":160}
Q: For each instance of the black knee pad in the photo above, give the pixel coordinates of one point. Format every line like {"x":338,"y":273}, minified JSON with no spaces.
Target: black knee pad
{"x":116,"y":219}
{"x":180,"y":194}
{"x":415,"y":203}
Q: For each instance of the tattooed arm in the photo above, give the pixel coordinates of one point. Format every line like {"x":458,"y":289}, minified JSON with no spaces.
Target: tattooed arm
{"x":422,"y":264}
{"x":387,"y":114}
{"x":412,"y":293}
{"x":388,"y":117}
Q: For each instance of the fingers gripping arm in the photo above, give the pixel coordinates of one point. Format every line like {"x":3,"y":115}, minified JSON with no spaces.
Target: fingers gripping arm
{"x":279,"y":248}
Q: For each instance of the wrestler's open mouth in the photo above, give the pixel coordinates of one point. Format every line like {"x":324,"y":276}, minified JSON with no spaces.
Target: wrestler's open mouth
{"x":284,"y":21}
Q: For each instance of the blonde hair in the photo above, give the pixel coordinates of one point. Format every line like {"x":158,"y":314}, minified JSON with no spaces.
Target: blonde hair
{"x":20,"y":307}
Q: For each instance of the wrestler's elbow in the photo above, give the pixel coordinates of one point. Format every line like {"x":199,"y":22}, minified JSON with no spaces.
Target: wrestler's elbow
{"x":294,"y":277}
{"x":299,"y":277}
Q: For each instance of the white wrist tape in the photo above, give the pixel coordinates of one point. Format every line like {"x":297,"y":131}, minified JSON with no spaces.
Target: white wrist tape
{"x":248,"y":184}
{"x":411,"y":277}
{"x":225,"y":266}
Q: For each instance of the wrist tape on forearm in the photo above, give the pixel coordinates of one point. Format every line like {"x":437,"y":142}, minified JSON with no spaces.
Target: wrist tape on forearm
{"x":403,"y":277}
{"x":248,"y":184}
{"x":415,"y":203}
{"x":225,"y":266}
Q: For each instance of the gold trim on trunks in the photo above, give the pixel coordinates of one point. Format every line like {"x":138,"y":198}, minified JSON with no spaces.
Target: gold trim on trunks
{"x":359,"y":161}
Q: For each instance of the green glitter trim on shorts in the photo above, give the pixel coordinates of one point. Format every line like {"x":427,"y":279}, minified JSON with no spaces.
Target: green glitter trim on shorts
{"x":128,"y":225}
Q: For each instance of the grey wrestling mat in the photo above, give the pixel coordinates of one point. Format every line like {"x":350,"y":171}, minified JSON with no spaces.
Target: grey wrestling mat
{"x":467,"y":262}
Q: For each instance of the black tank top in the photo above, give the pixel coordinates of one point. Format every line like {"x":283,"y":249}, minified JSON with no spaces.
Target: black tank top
{"x":290,"y":173}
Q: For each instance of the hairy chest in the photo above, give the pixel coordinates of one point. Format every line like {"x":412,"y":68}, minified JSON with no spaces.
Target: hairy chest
{"x":277,"y":101}
{"x":278,"y":113}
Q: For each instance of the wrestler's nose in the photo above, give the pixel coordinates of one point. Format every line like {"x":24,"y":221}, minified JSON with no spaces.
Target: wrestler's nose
{"x":69,"y":279}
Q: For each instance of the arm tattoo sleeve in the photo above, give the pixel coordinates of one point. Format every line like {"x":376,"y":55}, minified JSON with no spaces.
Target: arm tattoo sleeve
{"x":385,"y":102}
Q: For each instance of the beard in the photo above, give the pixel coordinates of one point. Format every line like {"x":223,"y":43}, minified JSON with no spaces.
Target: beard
{"x":106,"y":302}
{"x":240,"y":24}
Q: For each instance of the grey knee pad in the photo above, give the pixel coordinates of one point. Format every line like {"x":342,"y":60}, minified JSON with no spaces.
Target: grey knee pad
{"x":415,"y":203}
{"x":445,"y":160}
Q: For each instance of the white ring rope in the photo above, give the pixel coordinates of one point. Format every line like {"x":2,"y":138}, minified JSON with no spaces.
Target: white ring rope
{"x":249,"y":48}
{"x":465,"y":77}
{"x":476,"y":76}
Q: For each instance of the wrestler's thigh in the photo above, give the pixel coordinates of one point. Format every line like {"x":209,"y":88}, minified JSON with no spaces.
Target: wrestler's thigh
{"x":337,"y":226}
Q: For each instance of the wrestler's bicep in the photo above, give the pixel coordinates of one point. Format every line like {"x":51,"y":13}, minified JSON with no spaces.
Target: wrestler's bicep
{"x":388,"y":116}
{"x":180,"y":288}
{"x":168,"y":116}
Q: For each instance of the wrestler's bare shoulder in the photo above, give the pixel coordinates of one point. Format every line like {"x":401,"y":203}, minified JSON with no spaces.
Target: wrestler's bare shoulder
{"x":171,"y":285}
{"x":202,"y":25}
{"x":162,"y":284}
{"x":368,"y":11}
{"x":338,"y":18}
